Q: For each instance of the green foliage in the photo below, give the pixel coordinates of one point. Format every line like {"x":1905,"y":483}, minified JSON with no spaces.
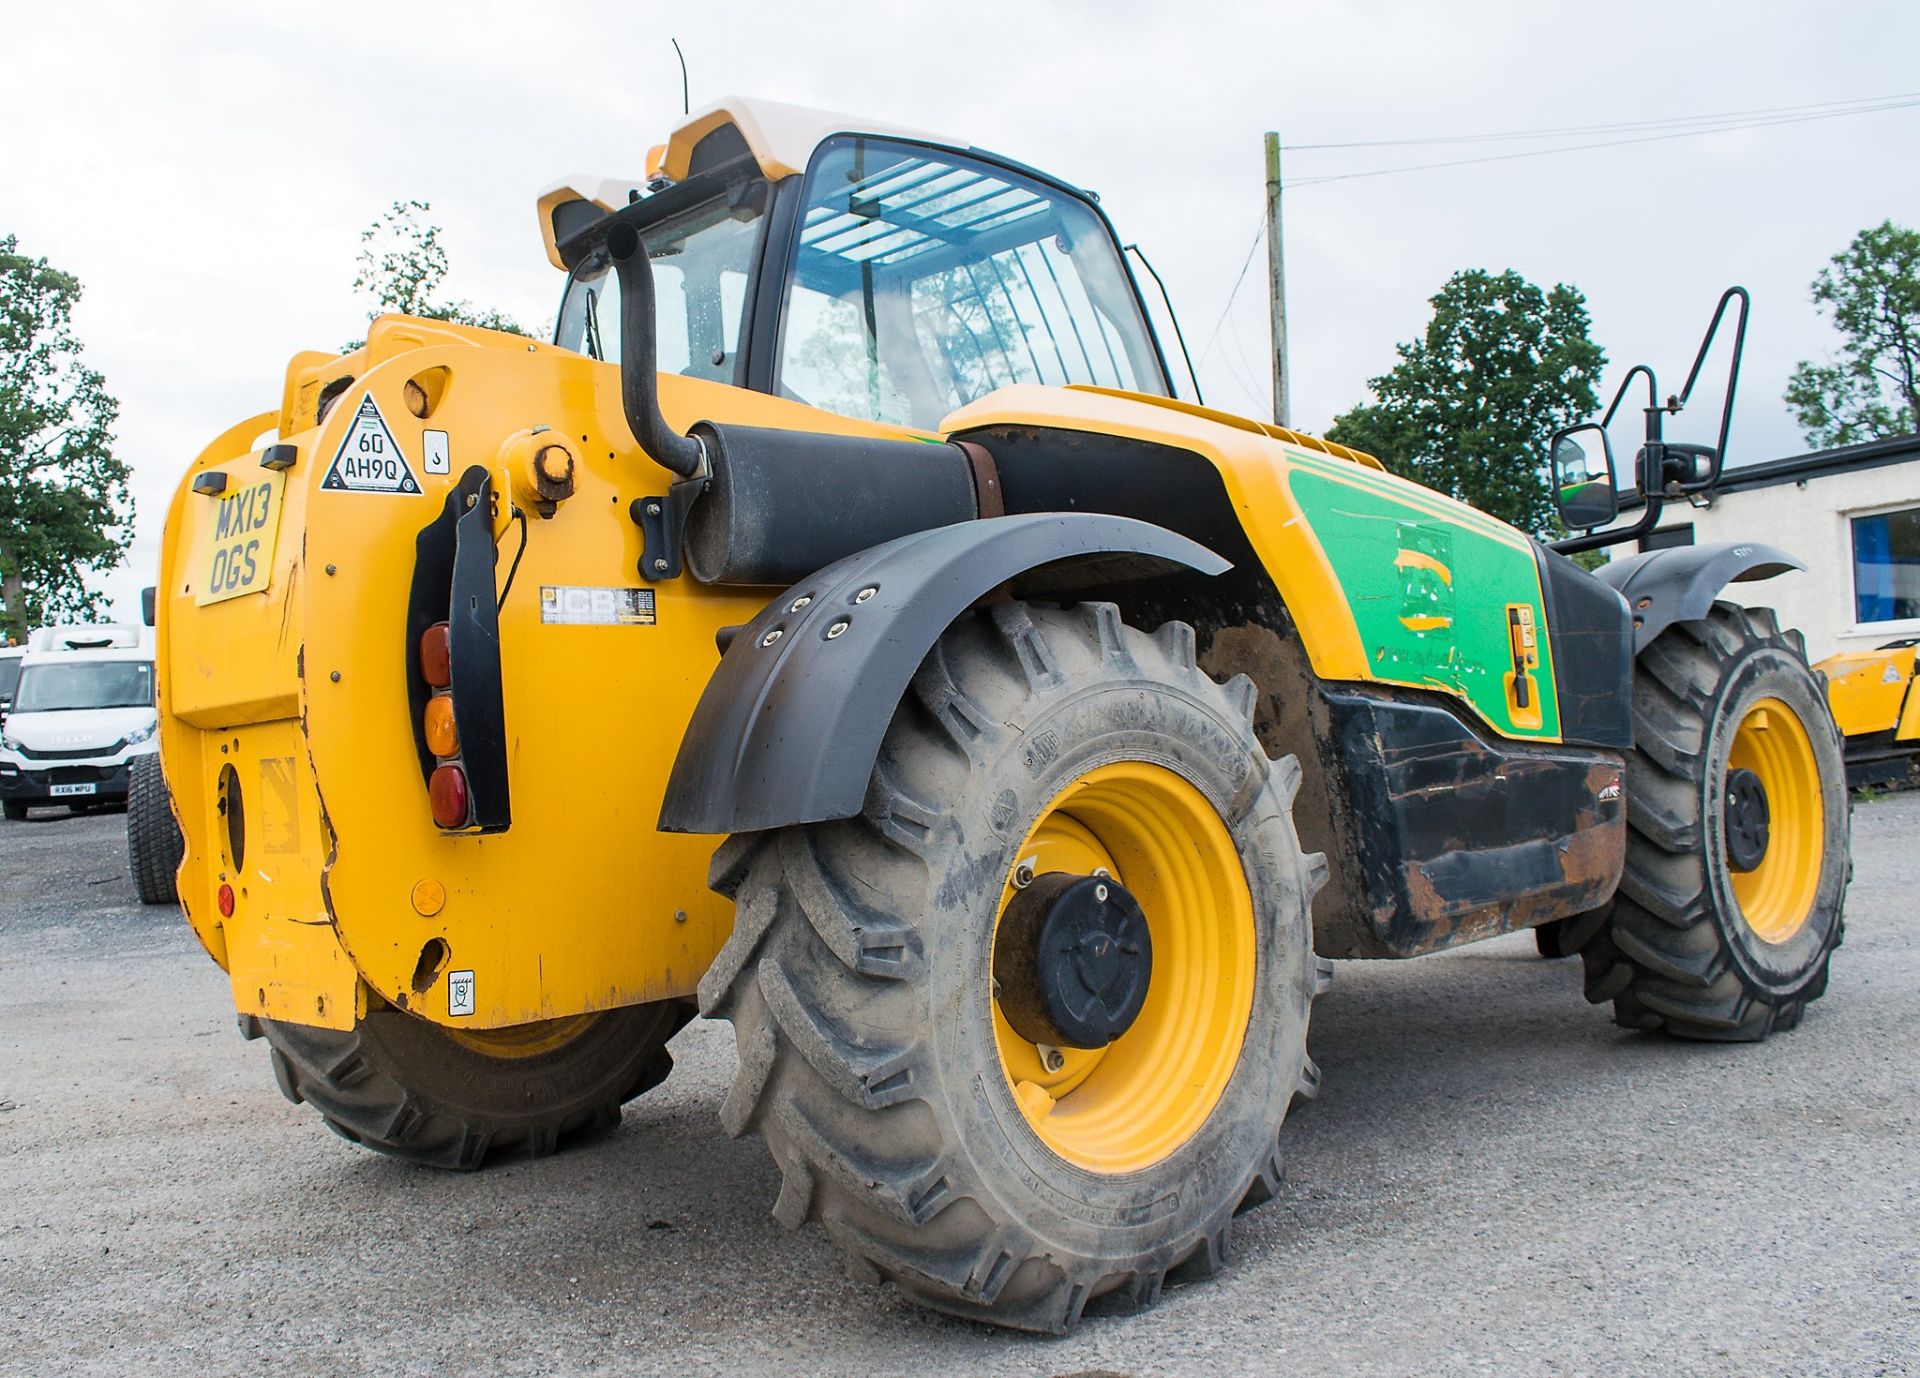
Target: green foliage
{"x":65,"y":510}
{"x":1872,"y":291}
{"x":403,"y":267}
{"x":1469,"y":407}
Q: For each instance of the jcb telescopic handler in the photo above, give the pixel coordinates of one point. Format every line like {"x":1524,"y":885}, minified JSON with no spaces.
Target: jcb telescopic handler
{"x":840,"y":624}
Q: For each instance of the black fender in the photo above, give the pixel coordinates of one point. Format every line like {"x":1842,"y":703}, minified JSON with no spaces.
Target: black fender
{"x":790,"y":725}
{"x":1679,"y":584}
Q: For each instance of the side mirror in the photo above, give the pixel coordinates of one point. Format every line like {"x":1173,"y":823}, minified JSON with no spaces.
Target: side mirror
{"x":1583,"y":477}
{"x":146,"y":605}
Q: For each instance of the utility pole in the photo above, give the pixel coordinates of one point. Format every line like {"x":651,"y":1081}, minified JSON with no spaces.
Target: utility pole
{"x":1277,"y":284}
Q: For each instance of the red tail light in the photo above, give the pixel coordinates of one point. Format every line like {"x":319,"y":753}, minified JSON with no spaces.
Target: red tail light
{"x":447,"y":795}
{"x":436,"y":655}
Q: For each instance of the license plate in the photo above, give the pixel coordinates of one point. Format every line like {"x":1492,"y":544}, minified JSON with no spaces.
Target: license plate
{"x":67,"y":791}
{"x":241,"y":528}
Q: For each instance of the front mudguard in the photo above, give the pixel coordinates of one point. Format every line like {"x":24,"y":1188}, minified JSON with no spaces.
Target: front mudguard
{"x":1680,"y":584}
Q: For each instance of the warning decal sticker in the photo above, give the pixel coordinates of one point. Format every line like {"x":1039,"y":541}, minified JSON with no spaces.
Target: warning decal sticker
{"x":369,"y":459}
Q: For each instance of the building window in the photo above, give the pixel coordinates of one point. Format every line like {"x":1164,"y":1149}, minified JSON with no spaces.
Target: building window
{"x":1886,"y":566}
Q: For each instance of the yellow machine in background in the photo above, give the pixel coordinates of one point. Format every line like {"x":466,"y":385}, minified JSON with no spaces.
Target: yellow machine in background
{"x":843,"y":625}
{"x":1878,"y":713}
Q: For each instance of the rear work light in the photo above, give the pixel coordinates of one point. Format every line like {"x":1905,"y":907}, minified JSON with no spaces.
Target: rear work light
{"x":436,"y":656}
{"x":447,"y":794}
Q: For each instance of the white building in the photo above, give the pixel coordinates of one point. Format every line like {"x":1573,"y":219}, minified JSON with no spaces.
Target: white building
{"x":1851,"y":515}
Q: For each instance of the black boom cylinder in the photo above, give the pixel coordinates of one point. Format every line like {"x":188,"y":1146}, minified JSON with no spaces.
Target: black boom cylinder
{"x":783,"y":504}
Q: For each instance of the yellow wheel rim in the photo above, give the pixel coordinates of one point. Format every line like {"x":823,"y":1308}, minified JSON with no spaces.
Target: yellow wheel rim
{"x":524,"y":1040}
{"x":1776,"y":897}
{"x":1133,"y":1103}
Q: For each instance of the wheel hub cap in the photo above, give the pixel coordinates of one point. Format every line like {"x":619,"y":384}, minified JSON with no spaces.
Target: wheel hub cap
{"x":1074,"y":959}
{"x":1748,"y":820}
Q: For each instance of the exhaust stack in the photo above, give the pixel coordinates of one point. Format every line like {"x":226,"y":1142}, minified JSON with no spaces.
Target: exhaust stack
{"x":639,"y":358}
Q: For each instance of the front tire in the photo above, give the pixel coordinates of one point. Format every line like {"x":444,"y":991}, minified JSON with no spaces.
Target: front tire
{"x":1737,"y":845}
{"x":412,"y":1089}
{"x":987,"y":1176}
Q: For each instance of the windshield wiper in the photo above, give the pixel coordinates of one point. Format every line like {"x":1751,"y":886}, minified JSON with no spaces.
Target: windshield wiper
{"x":593,"y":326}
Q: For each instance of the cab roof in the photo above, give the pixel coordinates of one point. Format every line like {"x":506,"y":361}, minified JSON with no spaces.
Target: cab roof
{"x":781,"y":139}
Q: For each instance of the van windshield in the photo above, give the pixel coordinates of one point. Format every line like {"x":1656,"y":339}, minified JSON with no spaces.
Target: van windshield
{"x":87,"y":684}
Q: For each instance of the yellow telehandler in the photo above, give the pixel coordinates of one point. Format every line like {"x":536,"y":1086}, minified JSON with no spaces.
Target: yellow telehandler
{"x":841,"y":626}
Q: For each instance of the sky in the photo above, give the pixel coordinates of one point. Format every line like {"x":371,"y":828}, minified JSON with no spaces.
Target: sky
{"x":206,"y":169}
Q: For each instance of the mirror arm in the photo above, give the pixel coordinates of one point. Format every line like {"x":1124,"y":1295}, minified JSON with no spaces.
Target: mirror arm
{"x":1595,"y":540}
{"x":1733,"y":369}
{"x":1620,"y":393}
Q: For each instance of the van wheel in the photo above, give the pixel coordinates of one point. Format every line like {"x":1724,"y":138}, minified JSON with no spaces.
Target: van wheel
{"x":1023,"y":1033}
{"x":1737,"y":842}
{"x":13,"y":810}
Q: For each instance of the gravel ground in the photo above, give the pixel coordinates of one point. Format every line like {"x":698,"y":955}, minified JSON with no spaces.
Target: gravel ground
{"x":1495,"y":1179}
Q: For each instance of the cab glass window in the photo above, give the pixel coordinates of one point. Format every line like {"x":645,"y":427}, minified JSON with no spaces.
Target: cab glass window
{"x":702,"y":259}
{"x":922,"y":280}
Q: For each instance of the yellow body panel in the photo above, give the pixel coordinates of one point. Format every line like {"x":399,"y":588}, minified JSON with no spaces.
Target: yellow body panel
{"x":1870,"y":691}
{"x":582,"y":905}
{"x":348,"y":893}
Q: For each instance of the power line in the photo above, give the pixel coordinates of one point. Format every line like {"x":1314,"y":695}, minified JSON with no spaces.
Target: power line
{"x":1259,"y":234}
{"x":1604,"y":143}
{"x":1856,"y":105}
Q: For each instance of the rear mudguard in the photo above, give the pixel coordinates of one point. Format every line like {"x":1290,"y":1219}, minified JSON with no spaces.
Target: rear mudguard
{"x":790,"y":724}
{"x":1679,"y":584}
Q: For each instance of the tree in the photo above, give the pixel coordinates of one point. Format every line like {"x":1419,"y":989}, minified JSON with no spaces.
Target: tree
{"x":1872,"y":291}
{"x":403,"y":267}
{"x":65,"y":510}
{"x":1469,"y":407}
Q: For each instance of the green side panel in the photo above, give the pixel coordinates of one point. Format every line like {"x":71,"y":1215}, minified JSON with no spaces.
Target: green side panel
{"x":1418,"y":628}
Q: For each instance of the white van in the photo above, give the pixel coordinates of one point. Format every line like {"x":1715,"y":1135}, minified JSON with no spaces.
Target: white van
{"x":82,"y":711}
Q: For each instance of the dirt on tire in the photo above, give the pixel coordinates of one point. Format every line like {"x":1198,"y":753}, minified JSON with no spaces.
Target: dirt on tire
{"x":856,"y":979}
{"x":406,"y":1088}
{"x":1674,"y":951}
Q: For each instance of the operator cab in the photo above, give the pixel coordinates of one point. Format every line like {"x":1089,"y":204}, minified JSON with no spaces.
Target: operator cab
{"x":897,"y":278}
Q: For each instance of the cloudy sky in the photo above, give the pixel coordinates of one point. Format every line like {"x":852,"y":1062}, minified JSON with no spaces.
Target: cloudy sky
{"x":206,"y":169}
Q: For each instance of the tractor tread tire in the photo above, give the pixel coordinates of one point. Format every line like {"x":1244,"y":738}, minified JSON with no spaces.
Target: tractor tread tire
{"x":154,"y":844}
{"x":1665,"y":956}
{"x":821,"y":981}
{"x":395,"y":1085}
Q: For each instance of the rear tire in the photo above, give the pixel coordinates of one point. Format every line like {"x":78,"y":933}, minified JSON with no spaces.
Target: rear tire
{"x":154,"y":844}
{"x":860,"y":977}
{"x":411,"y":1089}
{"x":1694,"y":945}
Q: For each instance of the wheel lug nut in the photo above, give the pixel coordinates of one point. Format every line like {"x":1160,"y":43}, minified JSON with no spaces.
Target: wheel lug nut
{"x":1022,"y":875}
